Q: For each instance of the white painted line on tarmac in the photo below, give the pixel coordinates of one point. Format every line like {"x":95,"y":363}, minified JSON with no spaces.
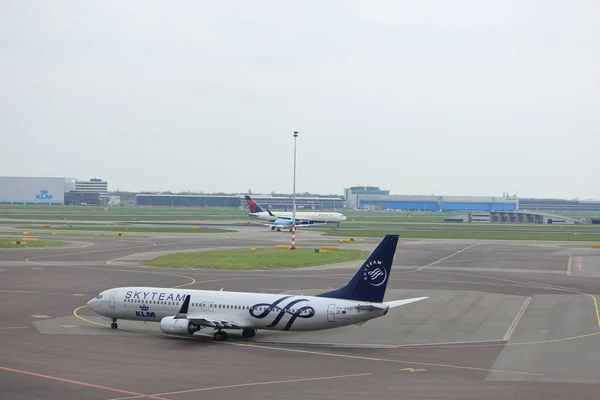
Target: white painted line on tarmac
{"x":515,"y":322}
{"x":569,"y":265}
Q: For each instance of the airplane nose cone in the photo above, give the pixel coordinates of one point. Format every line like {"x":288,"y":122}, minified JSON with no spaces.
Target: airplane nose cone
{"x":90,"y":303}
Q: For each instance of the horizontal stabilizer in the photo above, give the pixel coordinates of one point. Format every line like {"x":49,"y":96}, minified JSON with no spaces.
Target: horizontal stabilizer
{"x":371,"y":307}
{"x":397,"y":303}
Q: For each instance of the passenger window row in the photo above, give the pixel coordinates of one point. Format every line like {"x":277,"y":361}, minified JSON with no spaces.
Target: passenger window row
{"x":238,"y":307}
{"x":167,"y":303}
{"x":226,"y":306}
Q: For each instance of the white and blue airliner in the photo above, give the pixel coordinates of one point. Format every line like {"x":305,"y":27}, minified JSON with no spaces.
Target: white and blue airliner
{"x":283,"y":220}
{"x":186,"y":311}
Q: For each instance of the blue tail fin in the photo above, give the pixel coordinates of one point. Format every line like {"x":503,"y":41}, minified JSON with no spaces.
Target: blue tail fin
{"x":370,"y":281}
{"x":253,"y":205}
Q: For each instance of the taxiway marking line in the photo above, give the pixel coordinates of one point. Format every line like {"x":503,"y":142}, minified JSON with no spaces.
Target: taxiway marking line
{"x":569,"y":263}
{"x":537,"y":285}
{"x":447,"y":257}
{"x":250,"y":384}
{"x":75,"y":312}
{"x":349,"y":356}
{"x":12,"y":327}
{"x":515,"y":322}
{"x":29,"y":259}
{"x":136,"y":271}
{"x":55,"y":378}
{"x":85,"y":319}
{"x":596,"y":305}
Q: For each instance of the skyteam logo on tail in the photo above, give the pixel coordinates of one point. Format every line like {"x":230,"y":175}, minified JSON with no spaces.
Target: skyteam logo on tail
{"x":375,"y":274}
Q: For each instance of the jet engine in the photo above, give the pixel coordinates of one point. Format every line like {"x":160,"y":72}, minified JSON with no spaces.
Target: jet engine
{"x":181,"y":326}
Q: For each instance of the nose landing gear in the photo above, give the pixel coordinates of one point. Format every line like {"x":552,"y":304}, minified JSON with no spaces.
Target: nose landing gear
{"x":113,"y":324}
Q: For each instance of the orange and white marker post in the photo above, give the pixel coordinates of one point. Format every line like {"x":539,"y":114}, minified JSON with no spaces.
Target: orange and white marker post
{"x":293,"y":237}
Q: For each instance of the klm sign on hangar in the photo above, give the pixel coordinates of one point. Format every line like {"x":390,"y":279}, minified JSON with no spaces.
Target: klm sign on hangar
{"x":32,"y":190}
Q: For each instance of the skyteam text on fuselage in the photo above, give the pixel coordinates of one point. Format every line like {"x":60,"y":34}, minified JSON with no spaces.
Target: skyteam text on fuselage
{"x":283,"y":220}
{"x":186,"y":311}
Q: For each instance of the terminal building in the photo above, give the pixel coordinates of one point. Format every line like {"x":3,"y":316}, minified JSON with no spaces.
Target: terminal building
{"x":87,"y":192}
{"x":559,"y":205}
{"x":238,"y":200}
{"x":514,"y":217}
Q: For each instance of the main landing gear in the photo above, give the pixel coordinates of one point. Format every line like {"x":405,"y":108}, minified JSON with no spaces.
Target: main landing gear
{"x":246,"y":333}
{"x":113,"y":324}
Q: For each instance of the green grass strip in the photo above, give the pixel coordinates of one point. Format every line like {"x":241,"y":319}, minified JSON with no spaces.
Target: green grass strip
{"x":260,"y":259}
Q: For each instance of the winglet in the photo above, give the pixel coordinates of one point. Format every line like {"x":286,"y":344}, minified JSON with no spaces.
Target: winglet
{"x":184,"y":308}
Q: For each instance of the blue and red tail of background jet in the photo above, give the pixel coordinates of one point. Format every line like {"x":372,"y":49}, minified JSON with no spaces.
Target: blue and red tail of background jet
{"x":253,"y":206}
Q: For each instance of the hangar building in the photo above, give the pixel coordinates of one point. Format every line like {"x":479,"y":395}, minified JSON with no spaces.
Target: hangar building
{"x":32,"y":190}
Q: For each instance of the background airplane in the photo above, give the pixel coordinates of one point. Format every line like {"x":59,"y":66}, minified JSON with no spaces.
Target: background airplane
{"x":283,"y":220}
{"x":186,"y":311}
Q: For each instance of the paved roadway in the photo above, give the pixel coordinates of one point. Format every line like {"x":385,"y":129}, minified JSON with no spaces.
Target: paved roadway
{"x":504,"y":320}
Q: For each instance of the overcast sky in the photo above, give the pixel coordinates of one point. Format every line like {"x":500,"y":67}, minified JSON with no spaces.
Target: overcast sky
{"x":429,"y":97}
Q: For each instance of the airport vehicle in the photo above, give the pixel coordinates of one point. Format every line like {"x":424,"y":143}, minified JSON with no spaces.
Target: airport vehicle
{"x":186,"y":311}
{"x":284,"y":219}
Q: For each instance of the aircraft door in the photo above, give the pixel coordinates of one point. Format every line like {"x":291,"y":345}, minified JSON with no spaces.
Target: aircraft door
{"x":111,"y":299}
{"x":331,"y":313}
{"x":211,"y":306}
{"x":203,"y":306}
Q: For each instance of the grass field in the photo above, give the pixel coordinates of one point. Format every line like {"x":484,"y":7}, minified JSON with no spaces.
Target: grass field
{"x":72,"y":235}
{"x":155,"y":229}
{"x":489,"y":235}
{"x":368,"y":219}
{"x":58,"y":209}
{"x":6,"y":243}
{"x":260,"y":259}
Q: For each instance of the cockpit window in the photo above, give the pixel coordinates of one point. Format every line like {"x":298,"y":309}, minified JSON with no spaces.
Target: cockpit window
{"x":99,"y":297}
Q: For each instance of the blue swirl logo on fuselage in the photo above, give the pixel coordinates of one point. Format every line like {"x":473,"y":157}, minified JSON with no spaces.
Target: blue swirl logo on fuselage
{"x":299,"y":312}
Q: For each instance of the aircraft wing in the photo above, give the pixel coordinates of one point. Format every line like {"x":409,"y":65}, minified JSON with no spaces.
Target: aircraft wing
{"x":204,"y":320}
